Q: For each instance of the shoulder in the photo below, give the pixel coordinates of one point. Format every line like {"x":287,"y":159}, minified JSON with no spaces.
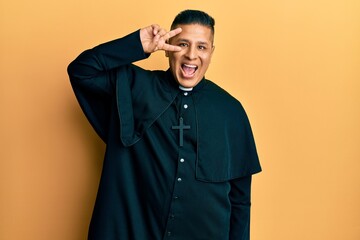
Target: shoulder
{"x":219,"y":98}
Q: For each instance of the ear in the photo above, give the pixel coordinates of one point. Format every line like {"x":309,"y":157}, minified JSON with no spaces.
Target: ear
{"x":212,"y":51}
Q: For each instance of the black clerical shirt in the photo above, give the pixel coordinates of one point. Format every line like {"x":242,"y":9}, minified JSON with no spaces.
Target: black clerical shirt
{"x":161,"y":180}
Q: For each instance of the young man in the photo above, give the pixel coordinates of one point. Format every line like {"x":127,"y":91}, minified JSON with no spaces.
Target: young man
{"x":180,"y":152}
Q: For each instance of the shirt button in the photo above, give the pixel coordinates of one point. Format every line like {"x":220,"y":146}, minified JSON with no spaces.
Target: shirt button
{"x":172,"y":216}
{"x":185,"y":93}
{"x":169,"y":234}
{"x":176,"y":197}
{"x":182,"y":160}
{"x":186,"y":106}
{"x":179,"y":179}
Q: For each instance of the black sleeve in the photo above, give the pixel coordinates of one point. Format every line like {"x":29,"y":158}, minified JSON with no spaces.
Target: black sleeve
{"x":240,"y":208}
{"x":93,"y":76}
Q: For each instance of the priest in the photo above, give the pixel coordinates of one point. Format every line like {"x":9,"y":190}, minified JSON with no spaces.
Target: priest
{"x":180,"y":152}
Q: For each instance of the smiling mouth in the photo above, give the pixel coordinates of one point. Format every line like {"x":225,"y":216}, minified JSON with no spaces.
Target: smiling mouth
{"x":189,"y":70}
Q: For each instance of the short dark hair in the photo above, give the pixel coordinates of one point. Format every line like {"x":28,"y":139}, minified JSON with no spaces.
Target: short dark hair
{"x":194,"y":17}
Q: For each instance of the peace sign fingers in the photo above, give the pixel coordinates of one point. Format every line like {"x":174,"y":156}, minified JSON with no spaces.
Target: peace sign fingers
{"x":154,"y":38}
{"x":166,"y":37}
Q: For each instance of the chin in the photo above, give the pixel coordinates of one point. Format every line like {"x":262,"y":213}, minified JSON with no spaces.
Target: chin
{"x":187,"y":84}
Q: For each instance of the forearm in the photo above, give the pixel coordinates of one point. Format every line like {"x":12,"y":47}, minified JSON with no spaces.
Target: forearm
{"x":107,"y":56}
{"x":240,"y":208}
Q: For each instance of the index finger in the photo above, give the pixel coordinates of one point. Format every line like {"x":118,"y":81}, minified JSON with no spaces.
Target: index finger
{"x":171,"y":48}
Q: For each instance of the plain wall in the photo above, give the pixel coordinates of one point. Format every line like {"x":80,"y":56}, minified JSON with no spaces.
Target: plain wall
{"x":295,"y":66}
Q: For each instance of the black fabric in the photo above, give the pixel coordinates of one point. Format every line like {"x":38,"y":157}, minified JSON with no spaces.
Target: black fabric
{"x":133,"y":110}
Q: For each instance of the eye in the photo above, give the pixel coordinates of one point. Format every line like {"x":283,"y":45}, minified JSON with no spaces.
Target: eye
{"x":202,"y":47}
{"x":183,"y":44}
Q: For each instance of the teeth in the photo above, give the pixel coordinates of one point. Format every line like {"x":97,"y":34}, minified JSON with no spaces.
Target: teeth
{"x":190,"y":66}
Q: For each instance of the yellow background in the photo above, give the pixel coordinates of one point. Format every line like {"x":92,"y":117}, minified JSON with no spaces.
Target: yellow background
{"x":294,"y":64}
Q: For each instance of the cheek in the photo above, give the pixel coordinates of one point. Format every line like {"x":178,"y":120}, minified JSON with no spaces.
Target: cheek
{"x":206,"y":61}
{"x":173,"y":57}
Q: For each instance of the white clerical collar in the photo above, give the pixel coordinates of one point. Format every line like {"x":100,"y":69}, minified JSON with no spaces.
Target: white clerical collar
{"x":185,"y":89}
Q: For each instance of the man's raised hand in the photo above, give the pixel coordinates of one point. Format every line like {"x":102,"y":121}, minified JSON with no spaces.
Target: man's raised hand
{"x":154,"y":38}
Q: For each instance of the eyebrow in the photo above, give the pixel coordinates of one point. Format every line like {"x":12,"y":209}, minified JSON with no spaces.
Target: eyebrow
{"x":187,"y":41}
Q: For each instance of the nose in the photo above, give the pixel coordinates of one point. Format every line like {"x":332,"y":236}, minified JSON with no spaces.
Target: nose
{"x":191,"y":53}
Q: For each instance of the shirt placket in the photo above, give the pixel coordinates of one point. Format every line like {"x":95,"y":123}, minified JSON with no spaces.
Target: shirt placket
{"x":175,"y":215}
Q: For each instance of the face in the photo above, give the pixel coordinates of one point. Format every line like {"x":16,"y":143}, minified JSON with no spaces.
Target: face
{"x":190,"y":64}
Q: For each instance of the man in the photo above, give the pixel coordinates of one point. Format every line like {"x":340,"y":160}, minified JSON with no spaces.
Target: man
{"x":179,"y":149}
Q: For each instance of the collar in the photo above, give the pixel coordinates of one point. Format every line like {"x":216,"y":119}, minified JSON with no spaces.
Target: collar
{"x":185,"y":89}
{"x":175,"y":86}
